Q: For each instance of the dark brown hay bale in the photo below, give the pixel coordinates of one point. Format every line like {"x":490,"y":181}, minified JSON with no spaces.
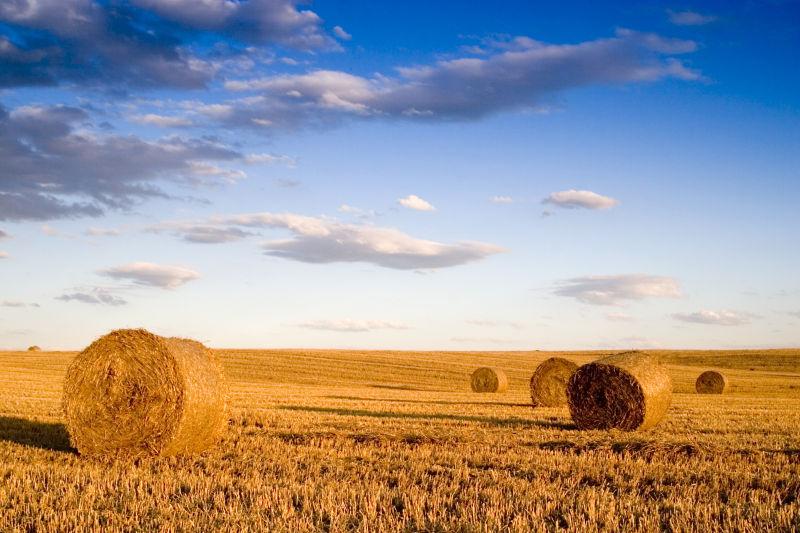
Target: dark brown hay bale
{"x":549,"y":382}
{"x":711,"y":382}
{"x":627,"y":391}
{"x":134,"y":394}
{"x":489,"y":380}
{"x":34,"y":348}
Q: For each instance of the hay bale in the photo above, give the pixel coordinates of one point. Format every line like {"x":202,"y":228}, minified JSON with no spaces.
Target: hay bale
{"x":134,"y":394}
{"x":34,"y":348}
{"x":627,"y":391}
{"x":549,"y":382}
{"x":489,"y":380}
{"x":711,"y":382}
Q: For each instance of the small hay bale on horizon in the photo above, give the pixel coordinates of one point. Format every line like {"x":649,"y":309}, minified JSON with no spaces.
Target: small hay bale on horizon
{"x":34,"y":348}
{"x":487,"y":379}
{"x":549,"y":382}
{"x":628,"y":391}
{"x":711,"y":382}
{"x":134,"y":394}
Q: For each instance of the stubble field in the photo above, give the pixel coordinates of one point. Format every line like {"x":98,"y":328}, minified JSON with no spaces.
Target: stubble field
{"x":387,"y":441}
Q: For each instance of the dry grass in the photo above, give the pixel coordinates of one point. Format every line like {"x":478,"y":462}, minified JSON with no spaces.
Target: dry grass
{"x":382,"y":441}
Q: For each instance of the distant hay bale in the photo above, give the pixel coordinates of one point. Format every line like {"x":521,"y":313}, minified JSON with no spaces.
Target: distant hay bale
{"x":34,"y":348}
{"x":489,"y":380}
{"x":549,"y":382}
{"x":626,"y":391}
{"x":134,"y":394}
{"x":711,"y":382}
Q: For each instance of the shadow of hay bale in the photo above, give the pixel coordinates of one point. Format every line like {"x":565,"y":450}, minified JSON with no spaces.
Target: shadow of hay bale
{"x":42,"y":435}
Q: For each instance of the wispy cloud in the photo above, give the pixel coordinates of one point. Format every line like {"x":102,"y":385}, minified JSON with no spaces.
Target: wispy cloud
{"x":152,"y":275}
{"x":4,"y":235}
{"x":94,"y":296}
{"x":573,"y":199}
{"x":513,"y":75}
{"x":352,"y":326}
{"x":339,"y":32}
{"x":54,"y":169}
{"x":162,"y":121}
{"x":689,"y":18}
{"x":14,"y":304}
{"x":617,"y":289}
{"x":102,"y":232}
{"x":201,"y":233}
{"x":412,"y":201}
{"x":320,"y":240}
{"x":716,"y":318}
{"x":4,"y":255}
{"x":501,"y":200}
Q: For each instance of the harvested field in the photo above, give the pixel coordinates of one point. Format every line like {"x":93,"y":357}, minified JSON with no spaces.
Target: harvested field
{"x":365,"y":441}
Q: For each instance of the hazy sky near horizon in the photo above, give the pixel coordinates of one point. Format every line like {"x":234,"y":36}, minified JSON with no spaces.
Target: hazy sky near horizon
{"x":415,"y":175}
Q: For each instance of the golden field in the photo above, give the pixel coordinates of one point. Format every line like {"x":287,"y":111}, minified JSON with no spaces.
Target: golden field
{"x":387,"y":441}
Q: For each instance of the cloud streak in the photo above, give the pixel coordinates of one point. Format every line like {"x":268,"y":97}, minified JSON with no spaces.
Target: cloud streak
{"x":572,"y":199}
{"x":96,"y":296}
{"x":617,"y":289}
{"x":512,"y":75}
{"x":716,"y":318}
{"x":349,"y":325}
{"x":152,"y":275}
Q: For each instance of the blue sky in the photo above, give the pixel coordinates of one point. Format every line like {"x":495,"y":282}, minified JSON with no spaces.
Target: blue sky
{"x":448,"y":176}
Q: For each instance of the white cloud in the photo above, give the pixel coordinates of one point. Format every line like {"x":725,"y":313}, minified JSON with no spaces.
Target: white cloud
{"x":357,"y":211}
{"x":351,"y":326}
{"x":341,"y":33}
{"x":412,"y":201}
{"x":320,"y":240}
{"x":4,"y":255}
{"x":202,"y":233}
{"x":689,"y":18}
{"x":514,"y":75}
{"x":152,"y":275}
{"x":270,"y":159}
{"x":717,"y":318}
{"x":573,"y":199}
{"x":162,"y":121}
{"x":501,"y":200}
{"x":613,"y":290}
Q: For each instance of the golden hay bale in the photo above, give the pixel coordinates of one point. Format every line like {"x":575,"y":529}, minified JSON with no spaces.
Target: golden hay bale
{"x":627,"y":391}
{"x":711,"y":382}
{"x":549,"y":382}
{"x":34,"y":348}
{"x":134,"y":394}
{"x":489,"y":380}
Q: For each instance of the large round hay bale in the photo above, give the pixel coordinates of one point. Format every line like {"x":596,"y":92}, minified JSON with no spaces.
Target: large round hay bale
{"x":134,"y":394}
{"x":549,"y":382}
{"x":34,"y":348}
{"x":488,"y":379}
{"x":627,"y":391}
{"x":711,"y":382}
